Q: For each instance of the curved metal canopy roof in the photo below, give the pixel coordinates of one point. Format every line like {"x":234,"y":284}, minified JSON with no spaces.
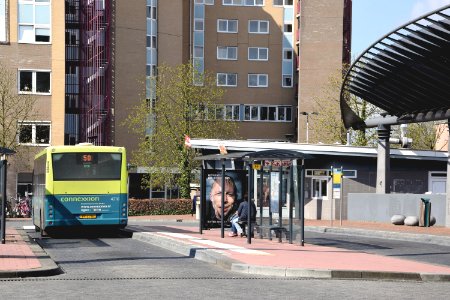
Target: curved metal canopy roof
{"x":406,"y":73}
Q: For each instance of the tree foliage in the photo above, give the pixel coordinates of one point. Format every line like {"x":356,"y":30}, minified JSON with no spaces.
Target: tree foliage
{"x":181,"y":109}
{"x":14,"y":109}
{"x":328,"y":127}
{"x":426,"y":135}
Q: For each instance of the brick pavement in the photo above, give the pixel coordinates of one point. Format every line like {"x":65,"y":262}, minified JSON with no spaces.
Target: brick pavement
{"x":19,"y":255}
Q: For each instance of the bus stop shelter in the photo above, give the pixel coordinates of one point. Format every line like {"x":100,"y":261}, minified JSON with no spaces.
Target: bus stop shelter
{"x":287,"y":187}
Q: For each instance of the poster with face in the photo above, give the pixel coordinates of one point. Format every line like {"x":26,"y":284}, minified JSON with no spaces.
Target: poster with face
{"x":234,"y":191}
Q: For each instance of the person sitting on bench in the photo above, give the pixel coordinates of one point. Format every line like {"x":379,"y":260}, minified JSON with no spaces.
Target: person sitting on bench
{"x":242,"y":216}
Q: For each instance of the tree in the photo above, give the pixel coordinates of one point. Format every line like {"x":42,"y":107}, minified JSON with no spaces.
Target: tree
{"x":14,"y":110}
{"x":426,"y":135}
{"x":181,"y":109}
{"x":328,"y":127}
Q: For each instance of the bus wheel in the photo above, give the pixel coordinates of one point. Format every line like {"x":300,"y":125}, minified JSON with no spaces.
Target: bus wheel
{"x":43,"y":233}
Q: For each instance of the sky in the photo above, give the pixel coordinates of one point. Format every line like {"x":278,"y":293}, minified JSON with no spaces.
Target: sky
{"x":373,"y":19}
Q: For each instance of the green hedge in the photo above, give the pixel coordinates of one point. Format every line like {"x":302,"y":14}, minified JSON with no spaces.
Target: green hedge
{"x":142,"y":207}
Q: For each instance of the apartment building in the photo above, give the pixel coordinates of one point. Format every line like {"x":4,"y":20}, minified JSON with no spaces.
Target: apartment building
{"x":88,"y":62}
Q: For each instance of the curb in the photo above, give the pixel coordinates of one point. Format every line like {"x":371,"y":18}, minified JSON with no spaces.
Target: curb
{"x":401,"y":236}
{"x":392,"y":235}
{"x":48,"y":266}
{"x":214,"y":257}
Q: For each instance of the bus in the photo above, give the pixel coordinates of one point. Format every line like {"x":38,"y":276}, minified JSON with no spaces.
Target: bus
{"x":80,"y":186}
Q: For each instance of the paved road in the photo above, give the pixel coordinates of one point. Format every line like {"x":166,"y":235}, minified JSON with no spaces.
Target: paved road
{"x":118,"y":268}
{"x":422,"y":252}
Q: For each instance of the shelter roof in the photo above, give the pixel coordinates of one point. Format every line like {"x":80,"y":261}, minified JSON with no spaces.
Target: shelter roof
{"x":406,"y":73}
{"x":241,"y":147}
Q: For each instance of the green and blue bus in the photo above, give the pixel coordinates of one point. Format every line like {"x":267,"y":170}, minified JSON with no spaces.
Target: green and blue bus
{"x":80,"y":186}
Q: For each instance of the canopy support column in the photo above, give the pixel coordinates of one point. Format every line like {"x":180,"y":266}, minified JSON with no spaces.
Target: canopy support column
{"x":383,"y":160}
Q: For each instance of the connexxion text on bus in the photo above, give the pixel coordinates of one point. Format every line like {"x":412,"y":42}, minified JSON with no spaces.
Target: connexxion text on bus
{"x":81,"y":185}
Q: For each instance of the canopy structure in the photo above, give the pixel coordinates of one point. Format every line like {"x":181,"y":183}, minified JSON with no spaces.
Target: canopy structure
{"x":406,"y":73}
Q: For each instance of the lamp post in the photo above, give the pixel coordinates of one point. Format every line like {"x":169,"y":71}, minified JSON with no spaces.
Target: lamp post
{"x":307,"y":114}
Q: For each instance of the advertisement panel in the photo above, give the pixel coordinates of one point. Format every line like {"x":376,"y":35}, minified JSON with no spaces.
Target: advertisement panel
{"x":235,"y":190}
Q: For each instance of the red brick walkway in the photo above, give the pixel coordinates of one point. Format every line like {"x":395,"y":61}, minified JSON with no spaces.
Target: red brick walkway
{"x":16,"y":254}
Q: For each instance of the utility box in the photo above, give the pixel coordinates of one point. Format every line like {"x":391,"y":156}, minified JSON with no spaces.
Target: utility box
{"x":425,"y":212}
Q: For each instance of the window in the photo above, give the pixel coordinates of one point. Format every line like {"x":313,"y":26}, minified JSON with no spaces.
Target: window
{"x":151,"y":12}
{"x":232,"y":112}
{"x":257,"y":26}
{"x":287,"y":28}
{"x":3,"y":26}
{"x":34,"y":133}
{"x":268,"y":113}
{"x":227,"y":53}
{"x":206,"y":2}
{"x":227,"y":26}
{"x":232,"y":2}
{"x":287,"y":54}
{"x":287,"y":80}
{"x":198,"y":24}
{"x":226,"y":79}
{"x":243,"y":2}
{"x":258,"y":80}
{"x":34,"y":18}
{"x":254,"y":2}
{"x":198,"y":52}
{"x":255,"y":53}
{"x":284,"y":113}
{"x":349,"y":173}
{"x":283,"y":2}
{"x":151,"y":41}
{"x":34,"y":82}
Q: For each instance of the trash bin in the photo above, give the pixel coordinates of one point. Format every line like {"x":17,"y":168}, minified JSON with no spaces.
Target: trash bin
{"x":425,"y":212}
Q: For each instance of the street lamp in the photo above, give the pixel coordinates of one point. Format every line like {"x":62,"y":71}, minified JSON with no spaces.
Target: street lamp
{"x":307,"y":114}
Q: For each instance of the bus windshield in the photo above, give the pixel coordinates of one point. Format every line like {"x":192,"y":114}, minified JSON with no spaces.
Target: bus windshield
{"x":86,"y":166}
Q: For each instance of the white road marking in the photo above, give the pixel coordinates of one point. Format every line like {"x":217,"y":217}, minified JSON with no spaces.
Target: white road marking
{"x":28,"y":227}
{"x":214,"y":244}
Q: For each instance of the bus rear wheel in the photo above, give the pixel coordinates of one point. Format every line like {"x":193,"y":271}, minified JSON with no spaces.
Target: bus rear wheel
{"x":41,"y":223}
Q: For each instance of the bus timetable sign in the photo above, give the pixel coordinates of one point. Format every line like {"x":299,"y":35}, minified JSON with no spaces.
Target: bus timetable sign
{"x":337,"y":182}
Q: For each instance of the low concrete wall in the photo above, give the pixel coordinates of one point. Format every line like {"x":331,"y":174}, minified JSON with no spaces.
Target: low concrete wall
{"x":381,"y":207}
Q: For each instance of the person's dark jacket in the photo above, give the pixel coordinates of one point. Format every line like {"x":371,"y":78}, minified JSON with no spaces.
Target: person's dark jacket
{"x":243,"y":210}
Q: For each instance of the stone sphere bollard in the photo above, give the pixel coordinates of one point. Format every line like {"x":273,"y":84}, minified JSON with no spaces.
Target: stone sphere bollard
{"x":432,"y":220}
{"x":412,"y":221}
{"x":398,"y":219}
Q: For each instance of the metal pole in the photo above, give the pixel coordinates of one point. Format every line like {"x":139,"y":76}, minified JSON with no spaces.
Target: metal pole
{"x":3,"y":190}
{"x":291,"y":226}
{"x":302,"y":203}
{"x":249,"y":198}
{"x":307,"y":128}
{"x":202,"y":198}
{"x":261,"y":191}
{"x":222,"y":227}
{"x":341,"y":195}
{"x":269,"y":182}
{"x":280,"y":201}
{"x":331,"y":200}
